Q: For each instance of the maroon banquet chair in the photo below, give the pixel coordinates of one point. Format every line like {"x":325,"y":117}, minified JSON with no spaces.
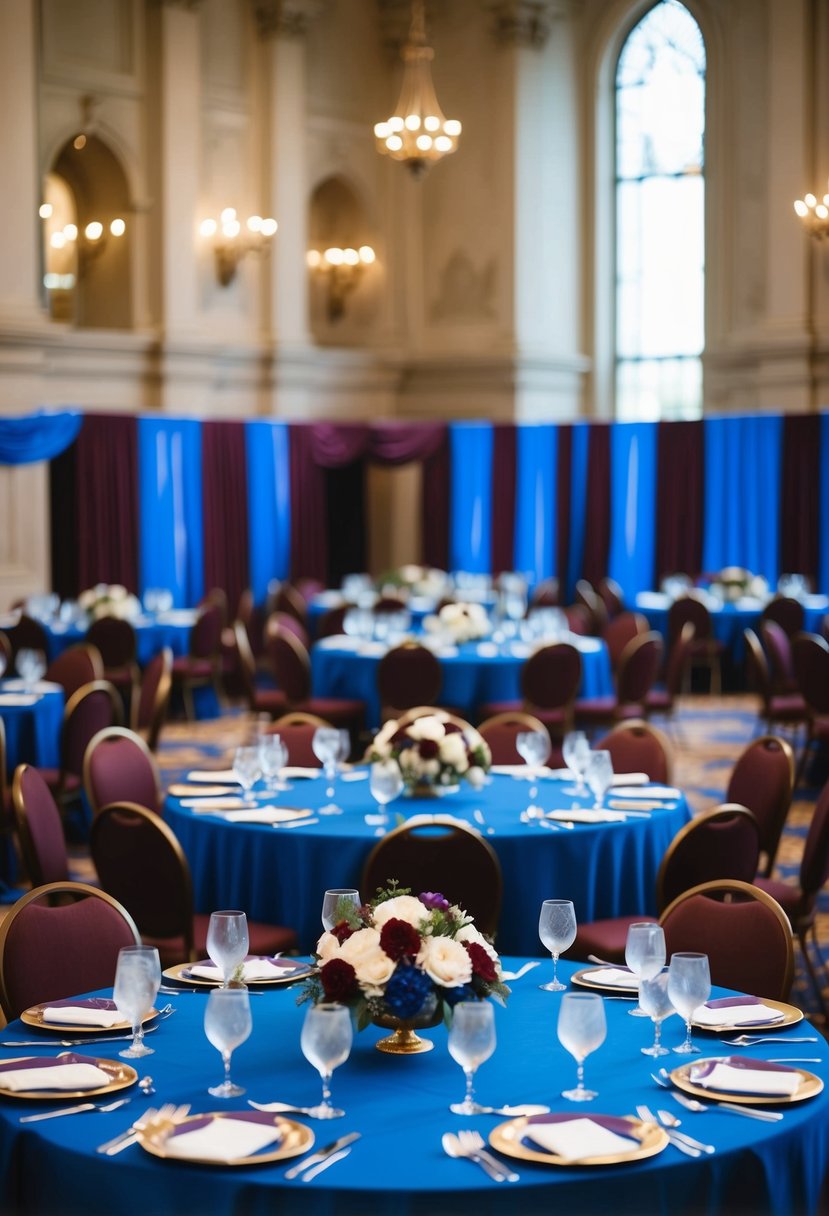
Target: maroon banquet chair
{"x":784,"y":709}
{"x":579,"y":619}
{"x":721,"y":843}
{"x":51,"y":948}
{"x":661,"y":700}
{"x":119,"y":767}
{"x":293,"y":603}
{"x":545,"y":594}
{"x":786,"y":612}
{"x":201,"y":666}
{"x":500,"y":732}
{"x":810,"y":659}
{"x":149,"y":708}
{"x":39,"y":828}
{"x":6,"y":653}
{"x":637,"y":747}
{"x":28,"y":634}
{"x":705,"y":650}
{"x":778,"y":646}
{"x":612,"y":595}
{"x":620,"y":630}
{"x":270,"y":701}
{"x":76,"y":666}
{"x":762,"y":779}
{"x":550,"y":679}
{"x":635,"y":677}
{"x":117,"y":643}
{"x":91,"y":709}
{"x":744,"y":932}
{"x":589,"y":599}
{"x":296,"y":730}
{"x":284,"y":620}
{"x":292,"y":667}
{"x":129,"y":844}
{"x":332,"y":622}
{"x":407,"y":675}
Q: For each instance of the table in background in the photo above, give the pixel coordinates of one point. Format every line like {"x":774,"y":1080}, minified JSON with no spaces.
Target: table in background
{"x":347,"y":667}
{"x":278,"y":875}
{"x":152,"y":634}
{"x":32,"y":731}
{"x":401,"y":1108}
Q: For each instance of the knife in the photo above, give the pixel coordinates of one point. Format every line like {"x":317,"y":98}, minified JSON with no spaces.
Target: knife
{"x":328,"y":1151}
{"x":323,"y":1165}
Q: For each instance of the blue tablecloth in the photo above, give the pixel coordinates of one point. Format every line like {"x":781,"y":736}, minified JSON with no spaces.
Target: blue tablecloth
{"x":400,"y":1105}
{"x":470,"y":678}
{"x":152,"y":634}
{"x":279,"y":875}
{"x":32,"y":731}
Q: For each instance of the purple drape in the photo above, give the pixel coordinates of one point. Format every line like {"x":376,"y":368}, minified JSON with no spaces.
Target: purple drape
{"x":503,"y":497}
{"x":225,"y":508}
{"x":435,"y":504}
{"x":563,"y":491}
{"x":597,"y":529}
{"x":800,"y":495}
{"x":679,"y":498}
{"x":107,"y":505}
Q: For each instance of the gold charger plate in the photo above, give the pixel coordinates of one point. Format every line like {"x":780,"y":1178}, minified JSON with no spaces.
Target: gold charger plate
{"x":296,"y":1139}
{"x":122,"y":1077}
{"x":34,"y":1017}
{"x":792,"y":1015}
{"x":810,"y":1085}
{"x":582,"y":980}
{"x":506,"y":1138}
{"x":180,"y":973}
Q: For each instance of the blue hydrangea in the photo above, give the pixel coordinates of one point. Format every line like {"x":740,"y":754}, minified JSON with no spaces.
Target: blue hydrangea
{"x":464,"y":993}
{"x":407,"y":990}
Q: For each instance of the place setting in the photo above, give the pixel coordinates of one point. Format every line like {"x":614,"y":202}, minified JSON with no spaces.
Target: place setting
{"x":229,"y":962}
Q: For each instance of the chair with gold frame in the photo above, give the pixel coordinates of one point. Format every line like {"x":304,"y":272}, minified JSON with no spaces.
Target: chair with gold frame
{"x":119,"y":766}
{"x":501,"y":730}
{"x":637,"y":747}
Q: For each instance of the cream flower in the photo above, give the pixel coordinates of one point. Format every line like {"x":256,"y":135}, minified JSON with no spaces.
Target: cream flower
{"x":475,"y":776}
{"x":453,"y":752}
{"x":445,"y":961}
{"x":328,"y":947}
{"x":470,"y":934}
{"x":426,"y":728}
{"x":359,"y":946}
{"x":374,"y":970}
{"x":401,"y":907}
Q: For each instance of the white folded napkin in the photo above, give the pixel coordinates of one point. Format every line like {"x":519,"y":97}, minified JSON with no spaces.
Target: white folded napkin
{"x":629,"y":779}
{"x":522,"y":770}
{"x":82,"y":1015}
{"x":579,"y":1138}
{"x":612,"y":977}
{"x":266,"y":814}
{"x":61,"y":1076}
{"x":296,"y":771}
{"x":41,"y":686}
{"x":766,"y":1081}
{"x":355,"y":774}
{"x":487,"y":650}
{"x":519,"y":650}
{"x":737,"y":1015}
{"x":372,"y":649}
{"x":222,"y":1139}
{"x":218,"y":776}
{"x":587,"y":815}
{"x":254,"y":969}
{"x":661,"y":793}
{"x":13,"y":700}
{"x":218,"y":804}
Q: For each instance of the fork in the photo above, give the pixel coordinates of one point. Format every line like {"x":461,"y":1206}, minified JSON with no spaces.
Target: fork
{"x":751,"y":1040}
{"x":766,"y":1116}
{"x":168,"y":1111}
{"x":694,"y":1148}
{"x":74,"y":1110}
{"x":473,"y":1143}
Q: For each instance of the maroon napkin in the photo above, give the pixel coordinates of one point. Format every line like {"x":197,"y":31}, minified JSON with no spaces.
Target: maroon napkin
{"x":731,"y":1002}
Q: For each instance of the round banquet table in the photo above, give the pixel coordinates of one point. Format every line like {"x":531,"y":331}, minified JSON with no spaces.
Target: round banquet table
{"x":32,"y":721}
{"x":473,"y":673}
{"x":278,"y":875}
{"x":152,"y":634}
{"x":400,"y":1108}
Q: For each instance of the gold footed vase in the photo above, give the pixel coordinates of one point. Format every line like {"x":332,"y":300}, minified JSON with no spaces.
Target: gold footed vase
{"x":404,"y":1041}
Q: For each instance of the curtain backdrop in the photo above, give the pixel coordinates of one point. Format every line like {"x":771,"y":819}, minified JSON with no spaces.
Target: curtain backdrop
{"x":679,"y":497}
{"x":503,"y":497}
{"x":535,"y":507}
{"x":107,"y":516}
{"x":225,"y":509}
{"x":269,"y":504}
{"x":471,"y":515}
{"x":633,"y":497}
{"x":170,"y":476}
{"x":597,"y":536}
{"x":800,"y":495}
{"x":40,"y":436}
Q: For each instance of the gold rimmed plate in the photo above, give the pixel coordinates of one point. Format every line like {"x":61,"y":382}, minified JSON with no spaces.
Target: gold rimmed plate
{"x":34,"y":1017}
{"x":583,"y":980}
{"x":296,"y":1138}
{"x":646,"y":1139}
{"x":791,"y":1016}
{"x":121,"y":1077}
{"x":809,"y":1085}
{"x":201,"y":790}
{"x":182,"y":974}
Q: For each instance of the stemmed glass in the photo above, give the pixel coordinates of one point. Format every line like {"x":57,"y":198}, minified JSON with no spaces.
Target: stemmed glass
{"x":656,"y":1003}
{"x":137,"y":978}
{"x":599,"y":775}
{"x":385,"y":784}
{"x":31,"y":664}
{"x":576,"y":755}
{"x":644,"y":954}
{"x":247,"y":767}
{"x":557,"y":930}
{"x":471,"y":1041}
{"x":581,"y":1029}
{"x":273,"y":756}
{"x":689,"y":986}
{"x":2,"y":664}
{"x":533,"y":746}
{"x":227,"y":941}
{"x":326,"y":744}
{"x":335,"y":901}
{"x":326,"y":1043}
{"x":227,"y":1023}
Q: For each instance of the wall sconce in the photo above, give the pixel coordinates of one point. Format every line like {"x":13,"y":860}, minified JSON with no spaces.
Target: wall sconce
{"x":89,"y":243}
{"x":231,"y":241}
{"x":814,"y":214}
{"x":342,"y":270}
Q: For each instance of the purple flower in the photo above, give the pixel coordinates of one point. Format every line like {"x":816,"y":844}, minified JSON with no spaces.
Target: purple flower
{"x":434,"y":901}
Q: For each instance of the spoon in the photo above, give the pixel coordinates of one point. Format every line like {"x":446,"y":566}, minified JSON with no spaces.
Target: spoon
{"x":146,"y":1086}
{"x":516,"y":975}
{"x":452,"y":1147}
{"x":283,"y":1108}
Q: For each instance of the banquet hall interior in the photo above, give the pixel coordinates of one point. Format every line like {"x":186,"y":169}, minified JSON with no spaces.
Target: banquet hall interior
{"x":473,"y":331}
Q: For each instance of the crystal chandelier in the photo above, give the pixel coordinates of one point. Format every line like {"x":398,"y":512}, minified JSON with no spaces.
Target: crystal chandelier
{"x":417,"y":133}
{"x":815,"y":215}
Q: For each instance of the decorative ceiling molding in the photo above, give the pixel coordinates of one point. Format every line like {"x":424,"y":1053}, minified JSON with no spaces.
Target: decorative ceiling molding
{"x":290,"y":18}
{"x":524,"y":22}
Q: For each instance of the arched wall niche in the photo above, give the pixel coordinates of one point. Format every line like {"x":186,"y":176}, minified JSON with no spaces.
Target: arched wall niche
{"x":343,"y":302}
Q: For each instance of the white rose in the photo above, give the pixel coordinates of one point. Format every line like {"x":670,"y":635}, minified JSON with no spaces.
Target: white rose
{"x":385,"y":735}
{"x":374,"y":971}
{"x":117,"y":591}
{"x":401,"y":907}
{"x":328,"y":947}
{"x":453,"y":752}
{"x":361,"y":945}
{"x":426,"y":728}
{"x":445,"y":961}
{"x":475,"y":776}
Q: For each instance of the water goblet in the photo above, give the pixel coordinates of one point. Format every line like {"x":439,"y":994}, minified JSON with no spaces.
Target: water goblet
{"x":336,"y":903}
{"x":31,"y":664}
{"x":533,"y":746}
{"x":581,"y":1029}
{"x":599,"y":776}
{"x":385,"y":784}
{"x":247,"y":767}
{"x":689,"y":986}
{"x":137,"y":978}
{"x":227,"y":941}
{"x":656,"y":1003}
{"x":557,"y":930}
{"x":471,"y":1041}
{"x":576,"y":755}
{"x":644,"y":954}
{"x":326,"y":1043}
{"x":227,"y":1023}
{"x":326,"y":745}
{"x":273,"y":756}
{"x":2,"y":664}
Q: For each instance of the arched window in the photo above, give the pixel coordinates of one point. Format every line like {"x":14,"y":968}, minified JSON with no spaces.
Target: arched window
{"x":660,"y":230}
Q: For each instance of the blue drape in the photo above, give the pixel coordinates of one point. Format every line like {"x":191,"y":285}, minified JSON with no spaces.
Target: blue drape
{"x":823,"y":556}
{"x":632,"y":505}
{"x":171,"y":550}
{"x":742,"y":494}
{"x":535,"y":500}
{"x":39,"y":436}
{"x":578,"y":505}
{"x":269,"y":503}
{"x":470,"y":541}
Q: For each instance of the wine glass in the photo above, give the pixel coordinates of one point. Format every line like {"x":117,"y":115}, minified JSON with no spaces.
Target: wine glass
{"x":557,"y":930}
{"x":247,"y":767}
{"x":326,"y":745}
{"x":656,"y":1003}
{"x":576,"y":755}
{"x":137,"y":977}
{"x":471,"y":1041}
{"x":273,"y":756}
{"x":227,"y":1023}
{"x":2,"y":663}
{"x":581,"y":1029}
{"x":599,"y":775}
{"x":326,"y":1043}
{"x":689,"y":986}
{"x":385,"y":784}
{"x":644,"y":954}
{"x":31,"y":664}
{"x":227,"y":941}
{"x":533,"y":746}
{"x":335,"y":902}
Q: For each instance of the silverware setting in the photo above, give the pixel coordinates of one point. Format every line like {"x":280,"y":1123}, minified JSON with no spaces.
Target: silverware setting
{"x":478,"y":816}
{"x":470,"y":1145}
{"x":750,"y":1112}
{"x":664,"y":1119}
{"x":751,"y":1040}
{"x":163,"y":1014}
{"x":74,"y":1110}
{"x":169,"y":1112}
{"x":295,"y":823}
{"x":323,"y":1165}
{"x":322,"y":1156}
{"x":281,"y":1108}
{"x":516,"y":975}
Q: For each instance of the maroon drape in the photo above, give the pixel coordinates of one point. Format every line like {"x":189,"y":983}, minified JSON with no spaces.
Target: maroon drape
{"x":800,"y":495}
{"x":680,"y":495}
{"x":225,"y":508}
{"x":597,"y":529}
{"x":309,"y":541}
{"x":563,"y":492}
{"x":334,"y":444}
{"x":402,"y":442}
{"x":107,"y":505}
{"x":503,"y":497}
{"x":435,"y":505}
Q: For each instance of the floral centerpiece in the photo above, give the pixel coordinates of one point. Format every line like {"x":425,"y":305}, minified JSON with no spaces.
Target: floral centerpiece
{"x":109,"y":599}
{"x":403,"y":960}
{"x":733,"y":582}
{"x":461,"y":622}
{"x":433,"y":753}
{"x":419,"y":580}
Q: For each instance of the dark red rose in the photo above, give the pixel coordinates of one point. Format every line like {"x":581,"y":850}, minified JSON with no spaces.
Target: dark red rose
{"x":338,"y":979}
{"x":429,"y":749}
{"x":482,"y":964}
{"x":399,"y":939}
{"x":342,"y":931}
{"x":451,"y":728}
